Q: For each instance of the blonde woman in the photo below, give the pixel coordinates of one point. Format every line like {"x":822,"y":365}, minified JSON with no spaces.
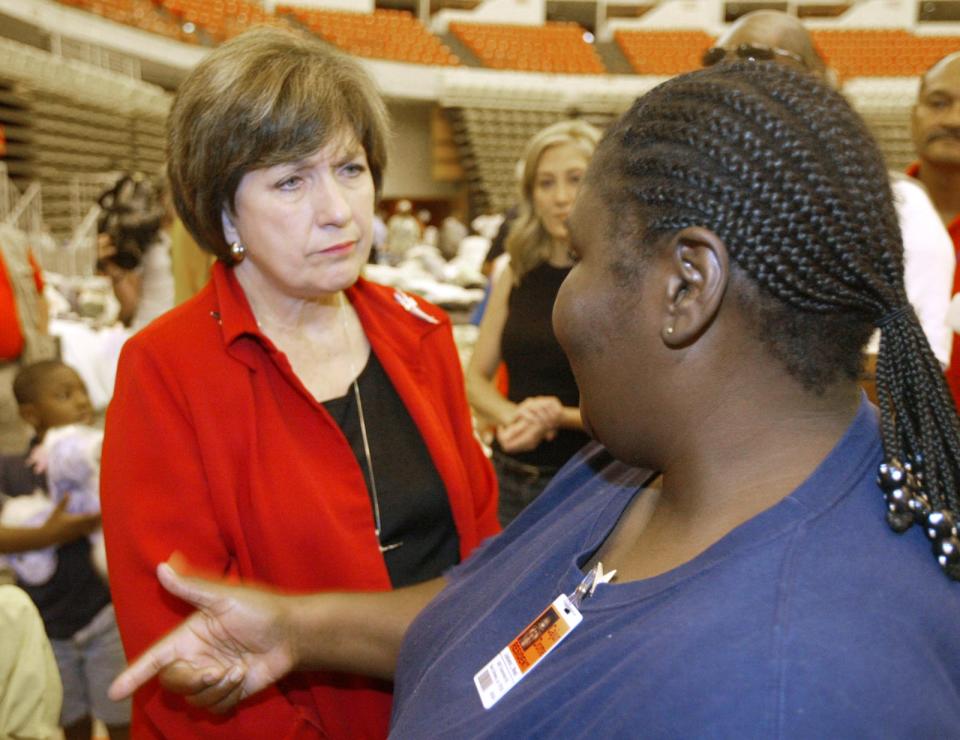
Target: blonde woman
{"x":538,"y":425}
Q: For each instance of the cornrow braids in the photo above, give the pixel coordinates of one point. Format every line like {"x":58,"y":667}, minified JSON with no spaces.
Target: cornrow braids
{"x":781,"y":168}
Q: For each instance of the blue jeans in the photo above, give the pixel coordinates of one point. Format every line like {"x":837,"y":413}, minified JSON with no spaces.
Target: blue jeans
{"x":88,"y":662}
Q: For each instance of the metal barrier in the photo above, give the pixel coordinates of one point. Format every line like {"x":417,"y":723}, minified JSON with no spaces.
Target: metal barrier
{"x":78,"y":257}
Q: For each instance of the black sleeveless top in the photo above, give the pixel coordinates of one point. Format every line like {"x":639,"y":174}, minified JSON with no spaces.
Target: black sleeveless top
{"x":414,"y":508}
{"x":536,"y":365}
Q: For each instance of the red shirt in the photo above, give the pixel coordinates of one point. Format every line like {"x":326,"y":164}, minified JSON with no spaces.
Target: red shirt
{"x":953,"y":372}
{"x":215,"y":449}
{"x":11,"y":335}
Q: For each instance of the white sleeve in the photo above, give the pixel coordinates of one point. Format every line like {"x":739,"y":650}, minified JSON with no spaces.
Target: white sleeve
{"x":929,"y":263}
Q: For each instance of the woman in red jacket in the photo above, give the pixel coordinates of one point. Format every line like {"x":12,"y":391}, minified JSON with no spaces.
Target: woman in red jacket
{"x":292,"y":424}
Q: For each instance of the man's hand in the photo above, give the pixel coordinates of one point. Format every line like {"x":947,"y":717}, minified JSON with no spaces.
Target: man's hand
{"x":236,"y":644}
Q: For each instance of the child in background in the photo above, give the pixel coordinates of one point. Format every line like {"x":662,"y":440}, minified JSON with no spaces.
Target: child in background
{"x":75,"y":602}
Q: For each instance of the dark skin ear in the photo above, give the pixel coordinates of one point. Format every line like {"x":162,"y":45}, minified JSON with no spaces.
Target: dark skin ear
{"x":698,"y":271}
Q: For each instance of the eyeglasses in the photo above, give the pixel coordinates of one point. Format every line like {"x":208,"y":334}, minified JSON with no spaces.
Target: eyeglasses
{"x":751,"y":52}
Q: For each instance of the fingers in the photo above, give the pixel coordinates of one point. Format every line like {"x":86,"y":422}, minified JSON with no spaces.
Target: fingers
{"x":199,"y":592}
{"x":142,"y":669}
{"x":181,"y":677}
{"x":519,"y":437}
{"x":234,"y":697}
{"x":209,"y":687}
{"x":543,"y":410}
{"x":221,"y":696}
{"x":60,"y":507}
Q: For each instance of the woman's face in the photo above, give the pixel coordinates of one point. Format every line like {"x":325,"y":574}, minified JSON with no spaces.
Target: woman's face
{"x":306,"y":225}
{"x":602,"y":319}
{"x":555,"y":185}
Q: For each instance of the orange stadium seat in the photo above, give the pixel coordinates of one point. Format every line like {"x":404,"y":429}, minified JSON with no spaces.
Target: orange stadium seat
{"x":882,"y":53}
{"x":556,"y":47}
{"x":219,"y":19}
{"x":143,"y":14}
{"x":663,"y":52}
{"x":384,"y":34}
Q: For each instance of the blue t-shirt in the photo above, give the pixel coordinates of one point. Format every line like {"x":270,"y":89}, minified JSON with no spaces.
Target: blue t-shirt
{"x":813,"y":619}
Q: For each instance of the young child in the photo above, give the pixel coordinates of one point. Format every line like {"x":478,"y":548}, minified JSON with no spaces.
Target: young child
{"x":70,"y":456}
{"x":75,"y":602}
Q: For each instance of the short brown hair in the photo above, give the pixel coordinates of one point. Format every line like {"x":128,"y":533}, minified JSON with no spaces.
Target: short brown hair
{"x":30,"y":378}
{"x":265,"y":97}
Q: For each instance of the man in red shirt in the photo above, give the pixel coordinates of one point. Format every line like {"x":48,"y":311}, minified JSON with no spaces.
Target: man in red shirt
{"x":936,"y":137}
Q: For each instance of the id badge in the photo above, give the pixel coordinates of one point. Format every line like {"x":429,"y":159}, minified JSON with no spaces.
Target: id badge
{"x":527,"y":649}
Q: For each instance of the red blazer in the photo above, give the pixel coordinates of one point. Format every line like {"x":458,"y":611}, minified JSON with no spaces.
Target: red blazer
{"x":214,"y":448}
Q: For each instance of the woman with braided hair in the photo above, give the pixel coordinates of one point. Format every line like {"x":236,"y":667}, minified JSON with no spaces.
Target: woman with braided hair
{"x":737,"y":246}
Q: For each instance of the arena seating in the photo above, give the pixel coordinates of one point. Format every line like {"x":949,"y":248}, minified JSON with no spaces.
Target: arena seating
{"x":557,"y":48}
{"x":556,"y":74}
{"x":383,"y":34}
{"x":142,"y":14}
{"x":663,"y":52}
{"x":220,"y":19}
{"x":882,"y":53}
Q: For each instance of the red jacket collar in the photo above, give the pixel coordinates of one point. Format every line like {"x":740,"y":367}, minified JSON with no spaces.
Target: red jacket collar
{"x":387,"y":314}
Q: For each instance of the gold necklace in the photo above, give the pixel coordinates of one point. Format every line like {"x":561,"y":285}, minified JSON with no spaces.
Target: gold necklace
{"x":363,"y":433}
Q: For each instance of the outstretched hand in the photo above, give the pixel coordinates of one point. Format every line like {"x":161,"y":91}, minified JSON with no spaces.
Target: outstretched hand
{"x":235,"y":645}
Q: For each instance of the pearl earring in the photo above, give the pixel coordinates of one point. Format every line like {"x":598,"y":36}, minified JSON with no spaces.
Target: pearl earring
{"x":669,"y":330}
{"x":238,"y":252}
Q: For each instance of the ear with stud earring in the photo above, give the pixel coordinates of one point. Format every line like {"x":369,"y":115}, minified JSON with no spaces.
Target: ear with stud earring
{"x":238,"y":252}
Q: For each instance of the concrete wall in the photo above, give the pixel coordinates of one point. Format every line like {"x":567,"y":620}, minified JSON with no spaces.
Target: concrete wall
{"x":408,"y":169}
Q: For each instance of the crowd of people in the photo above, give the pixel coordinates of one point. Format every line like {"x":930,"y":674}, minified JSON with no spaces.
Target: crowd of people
{"x":716,"y":362}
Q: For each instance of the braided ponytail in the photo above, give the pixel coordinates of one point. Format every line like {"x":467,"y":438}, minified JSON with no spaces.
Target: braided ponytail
{"x":781,"y":168}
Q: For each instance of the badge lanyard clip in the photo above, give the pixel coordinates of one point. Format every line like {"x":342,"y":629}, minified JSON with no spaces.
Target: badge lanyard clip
{"x":536,"y":640}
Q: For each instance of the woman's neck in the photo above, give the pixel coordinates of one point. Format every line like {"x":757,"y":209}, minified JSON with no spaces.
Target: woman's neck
{"x":276,"y":312}
{"x":322,"y":337}
{"x":559,"y":254}
{"x":747,"y":462}
{"x":731,"y":464}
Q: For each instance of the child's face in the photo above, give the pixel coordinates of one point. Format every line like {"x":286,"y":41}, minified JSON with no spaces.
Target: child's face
{"x":61,"y":399}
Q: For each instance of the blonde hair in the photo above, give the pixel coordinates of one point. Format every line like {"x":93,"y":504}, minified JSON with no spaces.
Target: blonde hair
{"x":528,"y":242}
{"x":265,"y":97}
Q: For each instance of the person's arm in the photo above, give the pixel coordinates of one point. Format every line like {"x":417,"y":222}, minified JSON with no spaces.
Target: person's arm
{"x":570,"y":418}
{"x":128,"y":288}
{"x":485,"y":399}
{"x":244,"y":639}
{"x":59,"y":528}
{"x":32,"y":693}
{"x":127,"y":283}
